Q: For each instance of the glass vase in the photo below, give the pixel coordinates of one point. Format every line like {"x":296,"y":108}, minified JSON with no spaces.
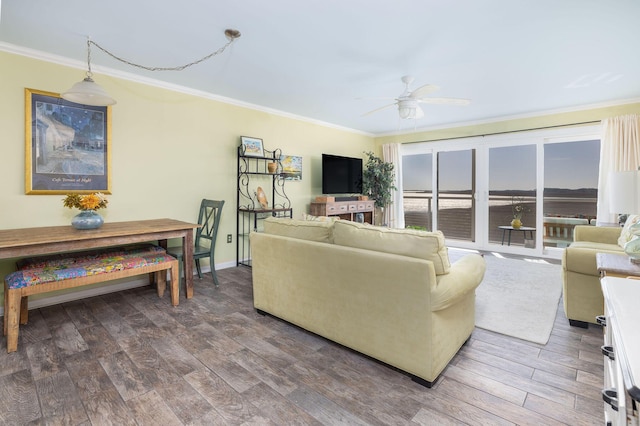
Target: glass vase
{"x":87,"y":219}
{"x":516,"y":223}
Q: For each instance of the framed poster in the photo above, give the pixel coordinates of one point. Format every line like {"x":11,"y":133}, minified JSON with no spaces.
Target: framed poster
{"x":67,"y":145}
{"x":291,"y":167}
{"x":252,"y":147}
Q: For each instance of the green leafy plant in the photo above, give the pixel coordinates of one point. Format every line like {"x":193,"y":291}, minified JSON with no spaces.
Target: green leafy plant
{"x":377,"y":180}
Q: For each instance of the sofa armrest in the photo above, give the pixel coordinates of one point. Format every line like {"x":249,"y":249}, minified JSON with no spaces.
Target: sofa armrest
{"x":597,"y":234}
{"x":465,"y":275}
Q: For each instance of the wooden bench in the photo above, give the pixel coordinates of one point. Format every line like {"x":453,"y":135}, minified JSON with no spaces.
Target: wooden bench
{"x":62,"y":271}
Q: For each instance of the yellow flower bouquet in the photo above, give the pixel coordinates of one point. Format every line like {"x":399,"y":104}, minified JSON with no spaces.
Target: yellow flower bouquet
{"x":94,"y":201}
{"x":88,"y":218}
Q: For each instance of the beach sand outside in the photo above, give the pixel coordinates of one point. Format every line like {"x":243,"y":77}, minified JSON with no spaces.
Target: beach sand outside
{"x":455,"y":215}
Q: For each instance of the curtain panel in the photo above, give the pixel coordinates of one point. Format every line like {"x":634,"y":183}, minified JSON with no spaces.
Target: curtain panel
{"x":619,"y":151}
{"x":394,"y":214}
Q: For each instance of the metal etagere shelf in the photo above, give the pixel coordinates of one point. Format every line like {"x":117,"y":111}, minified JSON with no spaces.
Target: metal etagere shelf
{"x":253,"y":172}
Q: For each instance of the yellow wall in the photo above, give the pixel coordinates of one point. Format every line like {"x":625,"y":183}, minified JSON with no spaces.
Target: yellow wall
{"x":169,"y":150}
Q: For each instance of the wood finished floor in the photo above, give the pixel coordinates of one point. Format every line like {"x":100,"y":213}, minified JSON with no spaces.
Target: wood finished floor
{"x":130,"y":358}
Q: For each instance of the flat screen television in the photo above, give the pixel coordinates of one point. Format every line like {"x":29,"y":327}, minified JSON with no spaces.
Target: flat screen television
{"x":341,"y":175}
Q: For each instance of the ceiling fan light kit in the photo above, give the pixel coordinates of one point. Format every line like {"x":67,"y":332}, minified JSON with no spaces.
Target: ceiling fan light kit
{"x":407,"y":102}
{"x":88,"y":92}
{"x":409,"y":109}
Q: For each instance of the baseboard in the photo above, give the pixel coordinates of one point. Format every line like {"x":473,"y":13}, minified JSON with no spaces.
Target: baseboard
{"x":99,"y":290}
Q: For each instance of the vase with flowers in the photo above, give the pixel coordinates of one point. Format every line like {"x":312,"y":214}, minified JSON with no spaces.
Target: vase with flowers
{"x":88,"y":218}
{"x":518,"y":209}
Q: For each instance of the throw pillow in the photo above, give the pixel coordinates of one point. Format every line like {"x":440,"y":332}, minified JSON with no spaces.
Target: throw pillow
{"x":301,"y":229}
{"x":312,"y":218}
{"x":405,"y":242}
{"x":625,"y":234}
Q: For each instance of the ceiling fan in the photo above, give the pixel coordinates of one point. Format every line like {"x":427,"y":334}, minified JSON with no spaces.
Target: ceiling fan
{"x":408,"y":101}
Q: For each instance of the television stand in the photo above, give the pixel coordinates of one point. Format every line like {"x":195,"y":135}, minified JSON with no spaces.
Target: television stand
{"x":345,"y":210}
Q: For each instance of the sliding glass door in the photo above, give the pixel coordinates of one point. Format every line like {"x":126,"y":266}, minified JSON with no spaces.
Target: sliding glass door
{"x":512,"y":194}
{"x":417,"y":185}
{"x":472,"y":188}
{"x":455,"y":198}
{"x":570,"y":189}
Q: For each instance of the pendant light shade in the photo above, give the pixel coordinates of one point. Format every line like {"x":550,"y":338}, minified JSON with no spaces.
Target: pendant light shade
{"x":88,"y":92}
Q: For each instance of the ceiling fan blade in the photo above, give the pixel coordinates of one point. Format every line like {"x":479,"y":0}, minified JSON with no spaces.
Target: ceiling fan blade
{"x":444,"y":101}
{"x":423,"y":90}
{"x":379,"y":109}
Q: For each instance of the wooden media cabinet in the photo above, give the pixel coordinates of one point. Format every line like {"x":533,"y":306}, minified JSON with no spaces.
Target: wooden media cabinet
{"x":346,"y":210}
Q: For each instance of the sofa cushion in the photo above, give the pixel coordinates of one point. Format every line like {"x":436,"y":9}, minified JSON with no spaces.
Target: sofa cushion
{"x":302,"y":229}
{"x":405,"y":242}
{"x":625,"y":234}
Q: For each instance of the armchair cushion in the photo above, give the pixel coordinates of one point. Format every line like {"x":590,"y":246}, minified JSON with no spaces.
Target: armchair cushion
{"x":404,"y":242}
{"x":597,"y":234}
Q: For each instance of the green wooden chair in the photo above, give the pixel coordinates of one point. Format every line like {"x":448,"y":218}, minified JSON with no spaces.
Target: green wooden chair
{"x":209,"y":220}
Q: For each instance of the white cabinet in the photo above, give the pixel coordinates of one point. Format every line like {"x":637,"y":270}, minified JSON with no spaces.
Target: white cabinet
{"x":621,"y":350}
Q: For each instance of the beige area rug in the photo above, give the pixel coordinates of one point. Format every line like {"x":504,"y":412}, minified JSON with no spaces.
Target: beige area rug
{"x":518,"y":298}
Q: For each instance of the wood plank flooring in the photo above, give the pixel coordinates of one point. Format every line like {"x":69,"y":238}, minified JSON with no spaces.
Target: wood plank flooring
{"x":129,"y":358}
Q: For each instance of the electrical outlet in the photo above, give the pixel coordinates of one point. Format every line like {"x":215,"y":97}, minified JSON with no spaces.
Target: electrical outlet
{"x":228,"y":238}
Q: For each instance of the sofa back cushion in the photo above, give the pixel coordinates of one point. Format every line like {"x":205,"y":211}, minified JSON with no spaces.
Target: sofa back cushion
{"x":625,"y":234}
{"x":405,"y":242}
{"x":302,"y":229}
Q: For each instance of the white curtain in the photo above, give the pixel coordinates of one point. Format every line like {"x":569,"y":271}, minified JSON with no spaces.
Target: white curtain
{"x":619,"y":151}
{"x":394,"y":214}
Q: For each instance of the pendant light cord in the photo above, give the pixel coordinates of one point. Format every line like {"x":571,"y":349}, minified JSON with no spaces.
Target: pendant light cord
{"x":231,"y":35}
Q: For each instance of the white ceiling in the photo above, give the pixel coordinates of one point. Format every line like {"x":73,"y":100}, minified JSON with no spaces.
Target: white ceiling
{"x":318,"y":58}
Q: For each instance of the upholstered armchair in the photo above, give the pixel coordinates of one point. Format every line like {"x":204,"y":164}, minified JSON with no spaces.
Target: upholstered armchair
{"x":581,"y":293}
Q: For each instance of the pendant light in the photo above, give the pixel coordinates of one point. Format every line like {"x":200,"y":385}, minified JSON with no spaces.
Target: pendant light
{"x":87,"y":91}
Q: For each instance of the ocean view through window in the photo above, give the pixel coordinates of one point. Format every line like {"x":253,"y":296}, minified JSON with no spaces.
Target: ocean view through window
{"x":556,"y":181}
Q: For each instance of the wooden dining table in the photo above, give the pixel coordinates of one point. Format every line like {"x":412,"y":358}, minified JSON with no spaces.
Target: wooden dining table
{"x":24,"y":242}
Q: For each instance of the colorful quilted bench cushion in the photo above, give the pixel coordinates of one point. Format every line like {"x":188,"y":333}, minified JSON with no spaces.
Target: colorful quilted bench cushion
{"x":58,"y":267}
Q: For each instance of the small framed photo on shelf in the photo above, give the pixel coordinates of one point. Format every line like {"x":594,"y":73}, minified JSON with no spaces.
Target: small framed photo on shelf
{"x":252,"y":147}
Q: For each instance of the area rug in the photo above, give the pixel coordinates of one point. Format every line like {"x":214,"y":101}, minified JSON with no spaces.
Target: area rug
{"x":519,"y":298}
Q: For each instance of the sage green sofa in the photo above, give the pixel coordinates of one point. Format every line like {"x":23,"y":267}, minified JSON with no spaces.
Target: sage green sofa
{"x":581,"y":292}
{"x":390,"y":294}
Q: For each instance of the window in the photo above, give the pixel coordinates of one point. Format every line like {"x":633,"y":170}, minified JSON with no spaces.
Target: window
{"x":465,"y":187}
{"x":418,"y":191}
{"x":570,"y":189}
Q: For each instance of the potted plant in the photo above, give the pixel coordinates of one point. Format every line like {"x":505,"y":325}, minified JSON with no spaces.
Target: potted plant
{"x":377,"y":182}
